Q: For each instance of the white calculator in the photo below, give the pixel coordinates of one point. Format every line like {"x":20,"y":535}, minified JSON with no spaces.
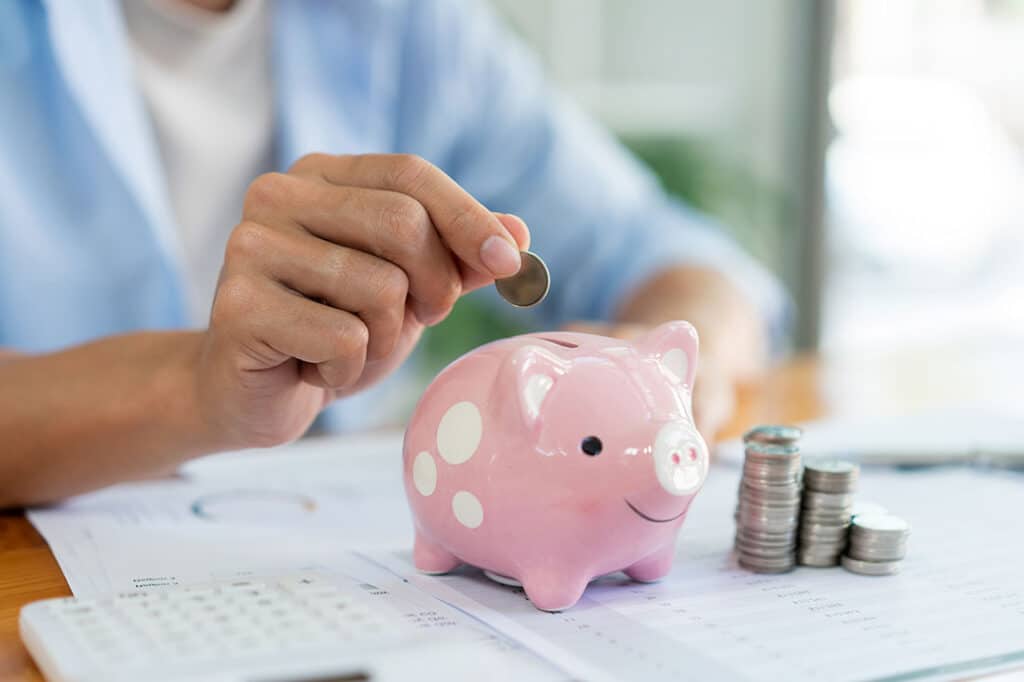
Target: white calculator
{"x":300,"y":628}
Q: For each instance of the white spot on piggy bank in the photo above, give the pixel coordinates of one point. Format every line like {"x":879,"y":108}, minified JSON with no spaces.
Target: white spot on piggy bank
{"x":424,"y":474}
{"x":467,"y":509}
{"x":458,"y":434}
{"x":581,"y":449}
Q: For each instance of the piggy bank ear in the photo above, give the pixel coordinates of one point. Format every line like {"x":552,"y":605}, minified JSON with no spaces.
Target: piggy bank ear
{"x":533,"y":371}
{"x":674,"y":345}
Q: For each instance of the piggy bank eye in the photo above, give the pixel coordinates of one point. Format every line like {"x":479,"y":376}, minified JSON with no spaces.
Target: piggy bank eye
{"x":591,"y":445}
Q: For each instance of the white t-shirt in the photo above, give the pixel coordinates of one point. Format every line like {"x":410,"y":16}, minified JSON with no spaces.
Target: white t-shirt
{"x":206,"y":81}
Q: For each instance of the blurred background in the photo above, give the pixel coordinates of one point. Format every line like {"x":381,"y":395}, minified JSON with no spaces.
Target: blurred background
{"x":869,"y":152}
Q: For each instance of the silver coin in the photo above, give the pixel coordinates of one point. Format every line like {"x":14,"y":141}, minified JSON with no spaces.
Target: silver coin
{"x":770,"y":500}
{"x":766,"y":551}
{"x":817,"y":562}
{"x":761,"y":551}
{"x":831,"y":476}
{"x":759,"y":476}
{"x":831,"y":486}
{"x":831,"y":527}
{"x":753,"y":535}
{"x":766,"y":526}
{"x":876,"y":552}
{"x":822,"y":533}
{"x":767,"y":565}
{"x":880,"y":524}
{"x":869,"y":540}
{"x":857,"y":553}
{"x":770,"y":504}
{"x":770,"y":450}
{"x":785,"y":488}
{"x":764,"y":515}
{"x":813,"y":499}
{"x":836,"y":545}
{"x":773,"y":433}
{"x":888,"y":547}
{"x":529,"y":286}
{"x":755,"y":467}
{"x":871,"y":567}
{"x":818,"y":556}
{"x":826,"y":515}
{"x":831,"y":467}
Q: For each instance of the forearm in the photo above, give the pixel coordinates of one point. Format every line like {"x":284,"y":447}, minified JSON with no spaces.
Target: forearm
{"x":731,"y":331}
{"x":115,"y":409}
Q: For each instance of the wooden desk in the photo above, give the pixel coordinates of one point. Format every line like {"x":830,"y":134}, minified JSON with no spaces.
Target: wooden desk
{"x":802,"y":389}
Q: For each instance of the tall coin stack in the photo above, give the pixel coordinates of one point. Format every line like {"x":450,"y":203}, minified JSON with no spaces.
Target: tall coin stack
{"x":878,"y":543}
{"x":829,"y":486}
{"x":769,"y":499}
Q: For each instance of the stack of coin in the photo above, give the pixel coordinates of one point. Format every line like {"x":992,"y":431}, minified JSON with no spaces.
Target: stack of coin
{"x":878,"y":543}
{"x":769,"y":500}
{"x":827,"y":506}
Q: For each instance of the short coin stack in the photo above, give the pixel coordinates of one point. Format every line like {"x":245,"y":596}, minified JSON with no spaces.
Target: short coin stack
{"x":769,"y":500}
{"x":829,"y":486}
{"x":878,"y":543}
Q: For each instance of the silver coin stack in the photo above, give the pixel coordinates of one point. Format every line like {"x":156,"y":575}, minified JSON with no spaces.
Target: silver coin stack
{"x":769,"y":500}
{"x":829,"y":486}
{"x":878,"y":543}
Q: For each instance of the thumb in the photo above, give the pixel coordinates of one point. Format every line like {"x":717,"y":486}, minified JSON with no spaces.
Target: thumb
{"x":516,"y":226}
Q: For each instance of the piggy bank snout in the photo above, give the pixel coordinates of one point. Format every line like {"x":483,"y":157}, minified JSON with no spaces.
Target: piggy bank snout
{"x":680,"y":459}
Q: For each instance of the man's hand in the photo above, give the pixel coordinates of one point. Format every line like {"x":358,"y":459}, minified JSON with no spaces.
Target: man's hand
{"x":329,"y":280}
{"x":327,"y":284}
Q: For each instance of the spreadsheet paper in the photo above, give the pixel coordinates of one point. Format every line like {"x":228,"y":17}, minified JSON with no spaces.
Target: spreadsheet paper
{"x":956,"y":609}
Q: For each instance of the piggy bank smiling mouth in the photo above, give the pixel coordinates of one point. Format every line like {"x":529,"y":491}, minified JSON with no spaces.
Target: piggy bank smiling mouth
{"x":651,"y":518}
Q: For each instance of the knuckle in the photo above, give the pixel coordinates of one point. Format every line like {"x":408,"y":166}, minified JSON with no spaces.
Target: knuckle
{"x":264,"y":192}
{"x":466,"y":219}
{"x":351,"y":339}
{"x":246,"y":241}
{"x":336,"y":264}
{"x":392,"y":286}
{"x":235,"y":297}
{"x":408,"y":172}
{"x":405,"y":220}
{"x":335,"y":374}
{"x":309,"y":162}
{"x":449,"y":290}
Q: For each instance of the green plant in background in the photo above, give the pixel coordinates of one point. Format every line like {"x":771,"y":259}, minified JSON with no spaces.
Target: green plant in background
{"x":700,"y":173}
{"x":470,"y":324}
{"x":693,"y":170}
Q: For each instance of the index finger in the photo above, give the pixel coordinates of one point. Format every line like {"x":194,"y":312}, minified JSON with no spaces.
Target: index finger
{"x":472,"y":232}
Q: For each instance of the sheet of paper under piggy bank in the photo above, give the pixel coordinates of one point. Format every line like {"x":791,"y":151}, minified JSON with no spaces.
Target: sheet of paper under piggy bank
{"x":551,"y":459}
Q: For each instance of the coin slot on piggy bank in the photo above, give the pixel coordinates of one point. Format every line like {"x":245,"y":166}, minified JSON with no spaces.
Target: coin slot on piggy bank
{"x":550,"y":460}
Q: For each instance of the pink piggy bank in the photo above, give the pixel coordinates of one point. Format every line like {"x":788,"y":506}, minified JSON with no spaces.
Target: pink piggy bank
{"x":551,"y":459}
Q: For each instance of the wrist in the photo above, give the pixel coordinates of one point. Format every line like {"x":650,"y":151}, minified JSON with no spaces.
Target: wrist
{"x":179,"y":388}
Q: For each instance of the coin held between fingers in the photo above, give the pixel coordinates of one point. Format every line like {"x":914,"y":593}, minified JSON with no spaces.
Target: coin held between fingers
{"x":529,"y":286}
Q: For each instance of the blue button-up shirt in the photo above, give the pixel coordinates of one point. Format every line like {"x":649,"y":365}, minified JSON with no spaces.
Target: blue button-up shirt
{"x":88,"y":246}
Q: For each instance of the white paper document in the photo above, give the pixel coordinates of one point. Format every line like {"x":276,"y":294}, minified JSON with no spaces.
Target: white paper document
{"x":956,"y":610}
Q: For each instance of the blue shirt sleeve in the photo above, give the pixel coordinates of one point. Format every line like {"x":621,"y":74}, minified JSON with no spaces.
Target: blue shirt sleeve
{"x":474,"y":101}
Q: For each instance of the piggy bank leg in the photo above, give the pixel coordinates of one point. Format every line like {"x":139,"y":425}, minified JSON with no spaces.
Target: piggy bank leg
{"x":554,"y":591}
{"x":653,"y":567}
{"x":432,"y":558}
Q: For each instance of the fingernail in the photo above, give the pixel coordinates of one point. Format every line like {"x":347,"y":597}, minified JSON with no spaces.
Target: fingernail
{"x":428,"y":315}
{"x":500,"y":257}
